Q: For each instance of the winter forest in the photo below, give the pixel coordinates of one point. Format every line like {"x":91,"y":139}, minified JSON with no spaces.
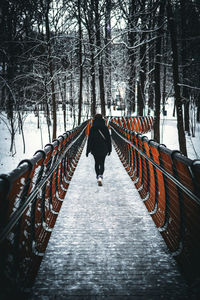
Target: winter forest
{"x":63,"y":61}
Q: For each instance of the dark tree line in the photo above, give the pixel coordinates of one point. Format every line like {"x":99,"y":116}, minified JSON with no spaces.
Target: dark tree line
{"x":77,"y":53}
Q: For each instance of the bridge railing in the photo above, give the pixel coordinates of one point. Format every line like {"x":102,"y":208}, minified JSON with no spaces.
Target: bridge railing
{"x":137,"y":124}
{"x":30,"y":199}
{"x":169,"y":186}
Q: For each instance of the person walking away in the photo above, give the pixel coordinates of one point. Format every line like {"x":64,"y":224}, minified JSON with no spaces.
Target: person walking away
{"x":99,"y":145}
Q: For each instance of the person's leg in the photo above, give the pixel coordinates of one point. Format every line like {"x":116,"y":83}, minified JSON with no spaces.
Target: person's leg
{"x":101,"y":165}
{"x":96,"y":166}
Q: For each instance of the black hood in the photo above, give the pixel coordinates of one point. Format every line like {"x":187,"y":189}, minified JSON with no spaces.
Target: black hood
{"x":98,"y":123}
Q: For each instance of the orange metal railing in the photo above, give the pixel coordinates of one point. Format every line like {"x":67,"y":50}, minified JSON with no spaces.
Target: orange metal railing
{"x":137,"y":124}
{"x":169,"y":186}
{"x":30,"y":199}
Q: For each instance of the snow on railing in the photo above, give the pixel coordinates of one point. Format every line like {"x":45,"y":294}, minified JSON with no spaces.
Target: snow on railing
{"x":169,"y":186}
{"x":30,"y":199}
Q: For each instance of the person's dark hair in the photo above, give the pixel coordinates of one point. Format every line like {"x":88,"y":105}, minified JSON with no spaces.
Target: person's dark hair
{"x":98,"y":116}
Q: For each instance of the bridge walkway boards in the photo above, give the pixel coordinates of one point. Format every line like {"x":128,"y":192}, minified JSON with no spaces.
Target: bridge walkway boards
{"x":105,"y":245}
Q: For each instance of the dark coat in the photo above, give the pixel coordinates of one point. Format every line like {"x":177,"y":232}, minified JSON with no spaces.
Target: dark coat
{"x":96,"y":144}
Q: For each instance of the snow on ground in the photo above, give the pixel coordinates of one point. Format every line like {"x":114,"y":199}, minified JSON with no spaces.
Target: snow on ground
{"x":36,"y":139}
{"x":169,"y":137}
{"x":169,"y":134}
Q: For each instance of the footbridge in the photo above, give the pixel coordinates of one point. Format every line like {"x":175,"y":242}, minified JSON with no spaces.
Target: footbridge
{"x":136,"y":237}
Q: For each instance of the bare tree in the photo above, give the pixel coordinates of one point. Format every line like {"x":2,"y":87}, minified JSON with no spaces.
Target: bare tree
{"x":175,"y":62}
{"x":99,"y":57}
{"x":89,"y":23}
{"x":184,"y":64}
{"x":108,"y":64}
{"x":46,"y":8}
{"x":80,"y":99}
{"x":157,"y":74}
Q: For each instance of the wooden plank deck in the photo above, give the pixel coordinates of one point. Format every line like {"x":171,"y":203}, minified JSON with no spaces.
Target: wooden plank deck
{"x":105,"y":244}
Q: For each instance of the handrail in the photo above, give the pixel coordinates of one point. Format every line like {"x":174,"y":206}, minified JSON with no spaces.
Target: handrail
{"x":16,"y":215}
{"x":169,"y":185}
{"x":30,"y":200}
{"x":167,"y":174}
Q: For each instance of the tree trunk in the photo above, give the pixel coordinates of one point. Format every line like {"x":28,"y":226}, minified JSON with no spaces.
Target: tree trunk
{"x":62,"y":88}
{"x":150,"y":80}
{"x":151,"y":63}
{"x":92,"y":65}
{"x":93,"y":85}
{"x":157,"y":76}
{"x":131,"y":58}
{"x":12,"y":131}
{"x":64,"y":103}
{"x":48,"y":118}
{"x":22,"y":131}
{"x":100,"y":60}
{"x":3,"y":89}
{"x":164,"y":77}
{"x":50,"y":66}
{"x":71,"y":101}
{"x":141,"y":82}
{"x":80,"y":100}
{"x":101,"y":87}
{"x":142,"y":70}
{"x":198,"y":109}
{"x":178,"y":102}
{"x":184,"y":67}
{"x":108,"y":52}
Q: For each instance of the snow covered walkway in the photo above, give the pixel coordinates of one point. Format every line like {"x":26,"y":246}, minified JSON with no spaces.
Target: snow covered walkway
{"x":105,"y":245}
